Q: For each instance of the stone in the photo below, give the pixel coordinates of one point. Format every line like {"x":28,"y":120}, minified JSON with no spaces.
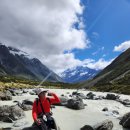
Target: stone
{"x":115,"y":112}
{"x":105,"y":125}
{"x":125,"y":121}
{"x":112,"y":97}
{"x":105,"y":109}
{"x":11,"y":113}
{"x":75,"y":103}
{"x":90,"y":95}
{"x":87,"y":127}
{"x":5,"y":96}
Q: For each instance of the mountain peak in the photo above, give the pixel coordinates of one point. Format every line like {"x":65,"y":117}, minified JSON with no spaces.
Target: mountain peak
{"x":77,"y":74}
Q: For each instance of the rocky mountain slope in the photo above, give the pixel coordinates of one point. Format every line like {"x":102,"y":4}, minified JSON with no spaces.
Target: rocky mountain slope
{"x":14,"y":62}
{"x":115,"y":77}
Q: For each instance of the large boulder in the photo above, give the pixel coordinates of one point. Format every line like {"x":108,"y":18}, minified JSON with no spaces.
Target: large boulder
{"x":80,"y":95}
{"x":125,"y":102}
{"x":105,"y":125}
{"x":125,"y":121}
{"x":5,"y":95}
{"x":74,"y":93}
{"x":112,"y":97}
{"x":26,"y":105}
{"x":90,"y":95}
{"x":11,"y":113}
{"x":75,"y":103}
{"x":16,"y":92}
{"x":87,"y":127}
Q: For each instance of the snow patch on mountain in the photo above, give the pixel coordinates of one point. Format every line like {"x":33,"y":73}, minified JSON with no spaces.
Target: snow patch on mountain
{"x":84,"y":73}
{"x":15,"y":51}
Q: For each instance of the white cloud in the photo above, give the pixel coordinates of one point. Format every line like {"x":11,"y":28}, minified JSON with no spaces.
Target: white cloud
{"x":123,"y":46}
{"x":99,"y":50}
{"x":61,"y":62}
{"x":84,"y":73}
{"x":95,"y":35}
{"x":98,"y":65}
{"x":44,"y":28}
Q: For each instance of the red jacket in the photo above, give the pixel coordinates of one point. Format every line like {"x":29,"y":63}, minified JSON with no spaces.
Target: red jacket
{"x":46,"y":105}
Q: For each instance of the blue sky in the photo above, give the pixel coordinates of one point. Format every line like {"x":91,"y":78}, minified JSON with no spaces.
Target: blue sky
{"x":107,"y":24}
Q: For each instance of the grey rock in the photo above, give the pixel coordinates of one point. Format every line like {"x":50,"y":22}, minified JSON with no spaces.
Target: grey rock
{"x":74,"y":93}
{"x":5,"y":96}
{"x":105,"y":125}
{"x":90,"y":95}
{"x":112,"y":97}
{"x":125,"y":121}
{"x":25,"y":91}
{"x":32,"y":93}
{"x":87,"y":127}
{"x":16,"y":92}
{"x":26,"y":105}
{"x":11,"y":113}
{"x":125,"y":102}
{"x":27,"y":102}
{"x":105,"y":109}
{"x":75,"y":103}
{"x":81,"y":95}
{"x":115,"y":112}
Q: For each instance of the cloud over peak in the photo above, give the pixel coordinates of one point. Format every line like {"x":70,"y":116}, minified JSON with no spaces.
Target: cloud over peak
{"x":123,"y":46}
{"x":44,"y":28}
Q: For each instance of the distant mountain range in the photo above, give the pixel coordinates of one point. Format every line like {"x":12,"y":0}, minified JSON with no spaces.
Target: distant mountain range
{"x":115,"y":77}
{"x":14,"y":62}
{"x":78,"y":74}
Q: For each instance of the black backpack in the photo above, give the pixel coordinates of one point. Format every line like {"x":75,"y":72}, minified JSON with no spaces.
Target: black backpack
{"x":38,"y":100}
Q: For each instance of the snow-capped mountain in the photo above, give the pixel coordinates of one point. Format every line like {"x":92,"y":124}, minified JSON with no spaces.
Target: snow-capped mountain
{"x":78,"y":74}
{"x":15,"y":62}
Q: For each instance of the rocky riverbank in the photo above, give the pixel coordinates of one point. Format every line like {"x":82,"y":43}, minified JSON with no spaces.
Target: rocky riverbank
{"x":81,"y":109}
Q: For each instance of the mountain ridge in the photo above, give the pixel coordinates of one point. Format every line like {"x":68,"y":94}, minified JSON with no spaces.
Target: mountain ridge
{"x":115,"y":77}
{"x":18,"y":63}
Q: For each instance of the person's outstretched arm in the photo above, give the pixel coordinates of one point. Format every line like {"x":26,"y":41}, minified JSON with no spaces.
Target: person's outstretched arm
{"x":55,"y":99}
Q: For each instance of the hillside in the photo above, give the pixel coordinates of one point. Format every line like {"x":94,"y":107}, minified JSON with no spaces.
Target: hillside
{"x":14,"y":62}
{"x":114,"y":77}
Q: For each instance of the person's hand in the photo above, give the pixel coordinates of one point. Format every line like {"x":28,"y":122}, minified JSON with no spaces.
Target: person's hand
{"x":38,"y":121}
{"x":50,"y":93}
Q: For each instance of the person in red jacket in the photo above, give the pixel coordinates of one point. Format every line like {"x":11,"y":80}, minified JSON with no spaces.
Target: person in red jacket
{"x":42,"y":107}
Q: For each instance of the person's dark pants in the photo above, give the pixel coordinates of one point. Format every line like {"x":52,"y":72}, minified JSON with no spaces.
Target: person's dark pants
{"x":45,"y":125}
{"x":42,"y":126}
